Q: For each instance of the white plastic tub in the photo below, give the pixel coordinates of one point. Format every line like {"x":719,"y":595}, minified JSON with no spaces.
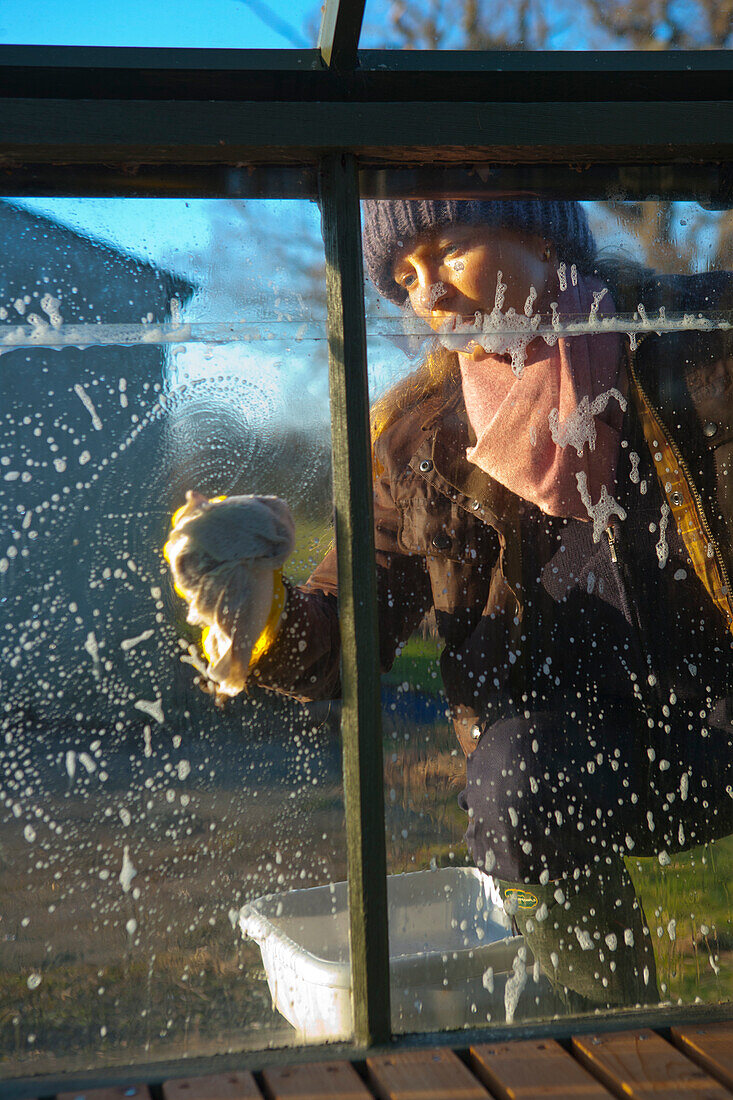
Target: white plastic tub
{"x":446,"y":929}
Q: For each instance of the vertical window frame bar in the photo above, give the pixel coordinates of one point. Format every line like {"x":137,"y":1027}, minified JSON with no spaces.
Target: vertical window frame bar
{"x":361,"y":720}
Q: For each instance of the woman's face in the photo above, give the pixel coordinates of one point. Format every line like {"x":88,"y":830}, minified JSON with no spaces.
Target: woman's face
{"x":450,"y":274}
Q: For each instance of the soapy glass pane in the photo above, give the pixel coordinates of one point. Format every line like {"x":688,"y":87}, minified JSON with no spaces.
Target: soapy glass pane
{"x":591,"y":25}
{"x":149,"y":348}
{"x":568,"y":621}
{"x":219,"y":24}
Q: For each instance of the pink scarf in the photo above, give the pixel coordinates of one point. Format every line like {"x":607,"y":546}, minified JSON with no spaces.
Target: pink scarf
{"x":552,"y":436}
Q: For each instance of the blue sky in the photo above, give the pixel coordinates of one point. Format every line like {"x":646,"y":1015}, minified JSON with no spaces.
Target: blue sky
{"x":196,"y":23}
{"x":203,"y":23}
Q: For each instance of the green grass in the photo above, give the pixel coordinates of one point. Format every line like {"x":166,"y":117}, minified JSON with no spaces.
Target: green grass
{"x":313,"y":538}
{"x":418,"y":665}
{"x":694,"y":954}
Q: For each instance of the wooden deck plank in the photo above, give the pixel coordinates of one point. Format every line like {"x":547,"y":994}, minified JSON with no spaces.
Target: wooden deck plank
{"x":114,"y":1092}
{"x":711,"y":1046}
{"x":639,"y":1063}
{"x":337,"y":1080}
{"x":423,"y":1075}
{"x":534,"y":1069}
{"x":221,"y":1086}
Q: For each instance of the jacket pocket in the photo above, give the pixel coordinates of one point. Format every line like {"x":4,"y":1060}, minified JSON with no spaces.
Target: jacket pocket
{"x":432,"y":528}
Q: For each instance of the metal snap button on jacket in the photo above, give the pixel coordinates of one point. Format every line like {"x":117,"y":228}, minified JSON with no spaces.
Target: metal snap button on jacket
{"x":710,"y":428}
{"x":441,"y":541}
{"x":677,"y":499}
{"x":425,"y":466}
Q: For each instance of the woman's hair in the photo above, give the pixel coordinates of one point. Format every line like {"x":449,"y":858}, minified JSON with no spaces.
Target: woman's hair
{"x":438,"y":374}
{"x":435,"y":376}
{"x":624,"y":277}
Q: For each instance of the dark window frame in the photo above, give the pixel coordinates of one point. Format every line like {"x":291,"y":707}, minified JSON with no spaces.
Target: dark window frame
{"x":338,"y":123}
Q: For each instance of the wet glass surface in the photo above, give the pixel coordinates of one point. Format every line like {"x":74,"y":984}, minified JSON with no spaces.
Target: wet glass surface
{"x":591,"y":25}
{"x":552,"y":525}
{"x":551,"y":406}
{"x":138,"y":818}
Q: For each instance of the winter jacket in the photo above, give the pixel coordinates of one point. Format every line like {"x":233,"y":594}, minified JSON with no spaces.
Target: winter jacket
{"x":533,"y":610}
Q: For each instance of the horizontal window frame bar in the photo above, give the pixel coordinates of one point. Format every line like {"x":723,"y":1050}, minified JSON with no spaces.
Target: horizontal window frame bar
{"x":60,"y":59}
{"x":380,"y":76}
{"x":708,"y":182}
{"x":153,"y":132}
{"x":281,"y":59}
{"x":254,"y":1060}
{"x":197,"y":180}
{"x":556,"y":61}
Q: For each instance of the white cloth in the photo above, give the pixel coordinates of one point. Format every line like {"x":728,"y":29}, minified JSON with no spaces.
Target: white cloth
{"x":223,"y":555}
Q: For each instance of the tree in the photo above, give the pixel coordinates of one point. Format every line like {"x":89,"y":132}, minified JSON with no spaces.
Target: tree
{"x":470,"y":25}
{"x":551,"y":24}
{"x":665,"y":24}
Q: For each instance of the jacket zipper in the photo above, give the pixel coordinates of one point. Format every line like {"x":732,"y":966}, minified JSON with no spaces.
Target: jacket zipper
{"x":688,"y":477}
{"x":629,"y":605}
{"x":611,"y":536}
{"x":642,"y":654}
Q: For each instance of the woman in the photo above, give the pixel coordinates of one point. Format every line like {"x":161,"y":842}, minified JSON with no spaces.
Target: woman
{"x":562,"y":504}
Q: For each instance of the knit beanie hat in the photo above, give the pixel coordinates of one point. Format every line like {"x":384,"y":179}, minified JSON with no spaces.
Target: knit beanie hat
{"x":389,"y":224}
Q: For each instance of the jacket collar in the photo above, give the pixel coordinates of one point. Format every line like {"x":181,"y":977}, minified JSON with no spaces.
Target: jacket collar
{"x":447,"y":434}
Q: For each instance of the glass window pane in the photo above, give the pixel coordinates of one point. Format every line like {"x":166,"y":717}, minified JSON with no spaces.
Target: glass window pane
{"x":550,"y":389}
{"x":143,"y":819}
{"x":590,"y":25}
{"x":218,"y":24}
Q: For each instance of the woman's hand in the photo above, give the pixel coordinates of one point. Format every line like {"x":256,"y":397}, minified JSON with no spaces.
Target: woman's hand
{"x":226,"y":558}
